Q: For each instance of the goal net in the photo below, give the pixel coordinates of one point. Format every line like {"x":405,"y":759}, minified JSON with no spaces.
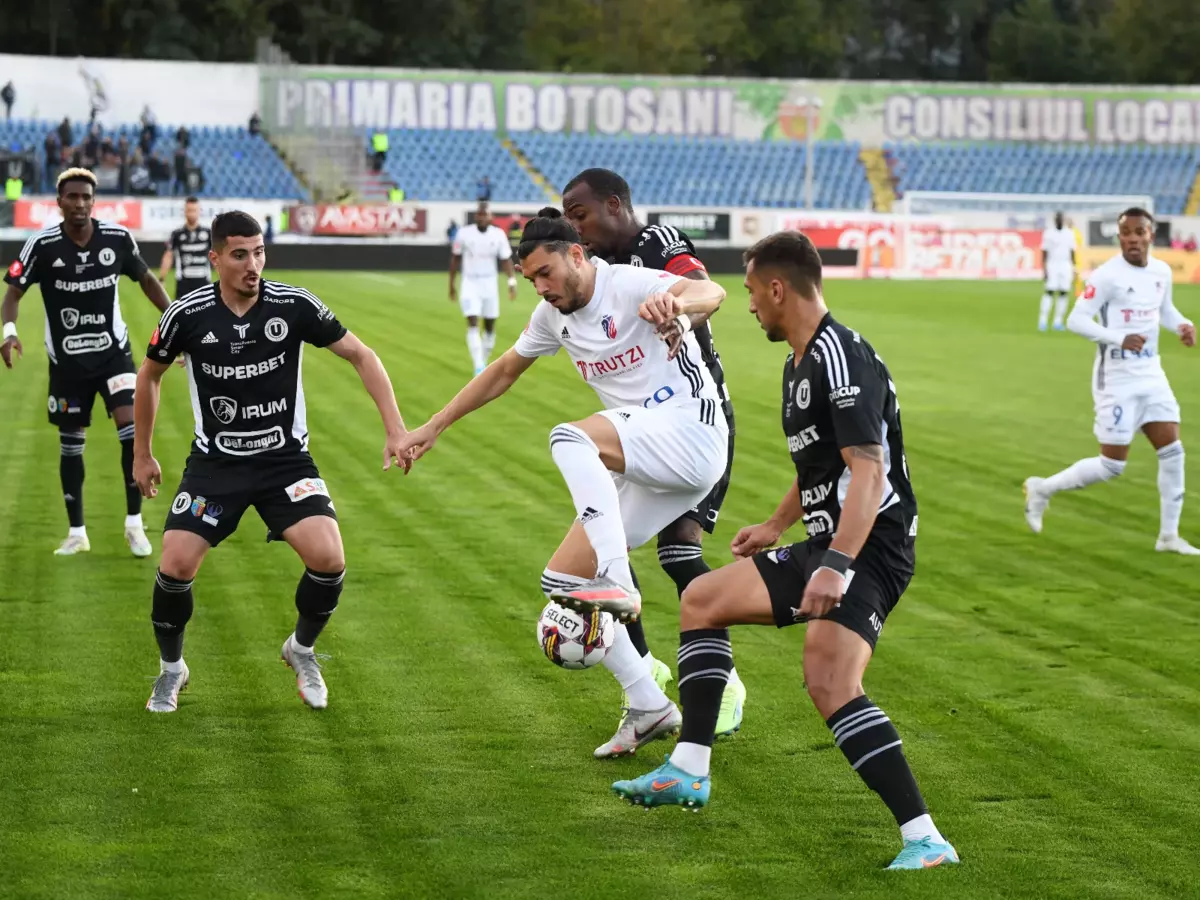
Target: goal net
{"x":1023,"y":206}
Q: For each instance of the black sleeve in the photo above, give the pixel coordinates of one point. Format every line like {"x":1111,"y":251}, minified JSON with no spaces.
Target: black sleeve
{"x":24,"y":270}
{"x":857,"y":389}
{"x":133,"y":266}
{"x":170,"y":337}
{"x":319,"y":326}
{"x":173,"y":243}
{"x":669,"y":249}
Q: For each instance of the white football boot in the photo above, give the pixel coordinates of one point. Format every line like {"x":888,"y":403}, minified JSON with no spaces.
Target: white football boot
{"x":310,"y":684}
{"x":638,"y":727}
{"x":164,"y":697}
{"x":75,"y":543}
{"x":1173,"y":543}
{"x":1036,"y":502}
{"x":139,"y":544}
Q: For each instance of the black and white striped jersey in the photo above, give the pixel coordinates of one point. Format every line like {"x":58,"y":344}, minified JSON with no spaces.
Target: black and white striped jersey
{"x":840,"y":394}
{"x":80,"y":293}
{"x":189,"y":247}
{"x":244,"y":373}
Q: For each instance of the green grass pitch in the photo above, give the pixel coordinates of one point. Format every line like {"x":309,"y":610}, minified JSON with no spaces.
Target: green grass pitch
{"x":1047,"y":688}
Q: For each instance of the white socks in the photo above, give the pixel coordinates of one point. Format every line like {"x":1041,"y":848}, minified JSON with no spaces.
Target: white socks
{"x":475,"y":346}
{"x":134,"y":521}
{"x":596,"y":502}
{"x":1087,"y":471}
{"x":164,"y":666}
{"x":692,"y":758}
{"x":489,"y":344}
{"x":633,"y":672}
{"x":81,"y":531}
{"x":1170,"y":488}
{"x":921,"y":827}
{"x":1044,"y":314}
{"x":1060,"y":310}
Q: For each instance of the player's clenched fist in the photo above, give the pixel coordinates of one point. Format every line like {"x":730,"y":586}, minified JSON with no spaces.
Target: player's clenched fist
{"x":661,"y":309}
{"x":754,"y":539}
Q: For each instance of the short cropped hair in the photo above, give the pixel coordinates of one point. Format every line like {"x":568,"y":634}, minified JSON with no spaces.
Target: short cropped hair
{"x":548,"y":229}
{"x":793,"y":255}
{"x":1136,"y":211}
{"x":192,"y":198}
{"x":234,"y":223}
{"x":603,"y":183}
{"x":76,"y":174}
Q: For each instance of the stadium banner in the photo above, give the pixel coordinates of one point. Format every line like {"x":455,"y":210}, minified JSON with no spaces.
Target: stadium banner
{"x":515,"y":104}
{"x":699,"y":226}
{"x":923,"y":246}
{"x":1103,"y":233}
{"x":357,"y":220}
{"x":147,"y":217}
{"x":38,"y":213}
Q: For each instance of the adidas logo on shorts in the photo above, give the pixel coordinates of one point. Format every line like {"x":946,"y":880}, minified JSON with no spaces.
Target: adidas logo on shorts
{"x":209,"y":338}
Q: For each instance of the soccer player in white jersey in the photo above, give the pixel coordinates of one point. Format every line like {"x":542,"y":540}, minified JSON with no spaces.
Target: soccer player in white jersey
{"x":1131,"y":295}
{"x":652,"y":453}
{"x":1058,"y":261}
{"x":482,"y":248}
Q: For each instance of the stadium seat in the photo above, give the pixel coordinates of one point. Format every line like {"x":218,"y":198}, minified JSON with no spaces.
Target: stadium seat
{"x":1164,"y":173}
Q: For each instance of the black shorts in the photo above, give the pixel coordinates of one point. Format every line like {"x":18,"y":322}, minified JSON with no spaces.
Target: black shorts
{"x":212,"y":498}
{"x":185,"y":286}
{"x":708,"y":509}
{"x":881,"y":573}
{"x":72,"y":395}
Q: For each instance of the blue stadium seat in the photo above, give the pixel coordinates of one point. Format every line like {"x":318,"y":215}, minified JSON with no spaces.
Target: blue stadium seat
{"x":235,"y":162}
{"x":1164,"y":173}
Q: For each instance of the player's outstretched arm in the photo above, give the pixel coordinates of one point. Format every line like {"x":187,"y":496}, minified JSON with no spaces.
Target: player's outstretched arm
{"x":8,"y":315}
{"x":755,"y":538}
{"x":480,"y":390}
{"x":146,"y":471}
{"x":859,"y":510}
{"x":686,"y":304}
{"x":154,"y":291}
{"x":375,"y":379}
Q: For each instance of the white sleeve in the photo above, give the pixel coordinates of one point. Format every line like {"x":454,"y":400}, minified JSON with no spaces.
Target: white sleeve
{"x":539,"y":337}
{"x":1169,"y":317}
{"x":457,"y":247}
{"x":1045,"y":240}
{"x":503,"y":248}
{"x":1083,"y":316}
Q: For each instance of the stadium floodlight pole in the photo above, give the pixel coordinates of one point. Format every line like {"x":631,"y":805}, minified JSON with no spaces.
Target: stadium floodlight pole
{"x":813,"y":104}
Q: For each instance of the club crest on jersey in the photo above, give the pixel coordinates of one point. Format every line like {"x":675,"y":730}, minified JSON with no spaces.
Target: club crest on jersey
{"x":803,"y":394}
{"x":224,"y":408}
{"x":1089,"y":292}
{"x":106,"y":256}
{"x":635,"y":260}
{"x":276,"y":329}
{"x":182,"y":501}
{"x":609,"y":324}
{"x":70,"y":318}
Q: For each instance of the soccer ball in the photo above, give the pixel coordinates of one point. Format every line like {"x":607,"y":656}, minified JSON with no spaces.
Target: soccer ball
{"x":574,"y":640}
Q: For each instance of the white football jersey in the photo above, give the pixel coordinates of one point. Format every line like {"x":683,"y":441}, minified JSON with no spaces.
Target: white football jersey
{"x":1128,"y":300}
{"x":616,"y":351}
{"x":481,"y":251}
{"x":1059,"y":244}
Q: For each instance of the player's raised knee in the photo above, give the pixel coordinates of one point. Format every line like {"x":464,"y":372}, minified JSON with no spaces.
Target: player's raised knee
{"x":700,"y":604}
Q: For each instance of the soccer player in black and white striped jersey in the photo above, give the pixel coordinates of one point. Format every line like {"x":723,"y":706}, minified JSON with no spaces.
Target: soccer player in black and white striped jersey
{"x":78,"y":265}
{"x":852,"y":491}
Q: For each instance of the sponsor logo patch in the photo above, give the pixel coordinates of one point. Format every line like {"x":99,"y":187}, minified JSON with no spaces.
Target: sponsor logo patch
{"x":123,"y":382}
{"x":307,"y":487}
{"x":249,"y":443}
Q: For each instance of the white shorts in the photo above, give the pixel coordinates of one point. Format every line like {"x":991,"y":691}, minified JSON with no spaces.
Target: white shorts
{"x":674,"y":454}
{"x":480,"y":297}
{"x":1122,"y":410}
{"x":1060,"y":277}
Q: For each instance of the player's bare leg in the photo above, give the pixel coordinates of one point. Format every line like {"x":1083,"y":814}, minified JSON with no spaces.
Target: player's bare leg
{"x":586,"y":453}
{"x":489,"y":340}
{"x":647,"y":714}
{"x":1164,"y":437}
{"x":318,"y":543}
{"x":1092,"y":470}
{"x":71,"y":440}
{"x":182,"y":555}
{"x":135,"y":529}
{"x":475,"y":344}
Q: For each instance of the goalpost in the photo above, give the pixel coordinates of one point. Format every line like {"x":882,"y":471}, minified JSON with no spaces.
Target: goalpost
{"x":947,"y":203}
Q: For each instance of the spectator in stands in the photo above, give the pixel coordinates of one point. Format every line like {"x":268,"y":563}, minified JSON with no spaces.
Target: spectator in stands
{"x":1176,"y":242}
{"x":182,"y":138}
{"x":91,"y":147}
{"x":255,"y":124}
{"x":1190,"y":243}
{"x":64,"y":133}
{"x":9,"y":96}
{"x":269,"y":233}
{"x":483,"y":190}
{"x":452,"y":231}
{"x":179,"y":185}
{"x":140,"y":181}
